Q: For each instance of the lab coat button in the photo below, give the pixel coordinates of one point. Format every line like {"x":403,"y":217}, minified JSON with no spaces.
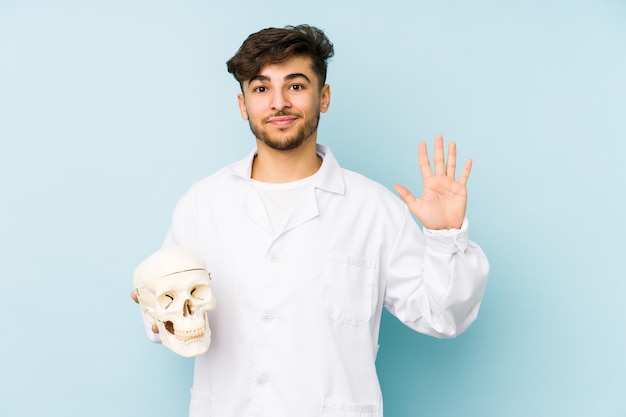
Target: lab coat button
{"x":267,"y":317}
{"x":261,"y":380}
{"x":273,"y":258}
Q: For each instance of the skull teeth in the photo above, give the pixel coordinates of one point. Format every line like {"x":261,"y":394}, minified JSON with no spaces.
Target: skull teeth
{"x":189,"y":335}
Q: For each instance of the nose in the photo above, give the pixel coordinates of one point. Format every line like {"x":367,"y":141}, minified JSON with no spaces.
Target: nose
{"x":279,"y":100}
{"x":187,"y":308}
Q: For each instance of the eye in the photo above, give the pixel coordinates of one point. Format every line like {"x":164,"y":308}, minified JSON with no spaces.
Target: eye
{"x":259,"y":89}
{"x":296,"y":87}
{"x":201,"y":292}
{"x":165,"y":300}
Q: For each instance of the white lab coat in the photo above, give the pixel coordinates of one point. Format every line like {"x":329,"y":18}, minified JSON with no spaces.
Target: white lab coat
{"x":295,"y":331}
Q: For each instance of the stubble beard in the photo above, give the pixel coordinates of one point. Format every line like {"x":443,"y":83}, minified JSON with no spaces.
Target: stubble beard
{"x":285,"y":142}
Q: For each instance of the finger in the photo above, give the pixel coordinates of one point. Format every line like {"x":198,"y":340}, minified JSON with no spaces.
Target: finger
{"x":439,"y":161}
{"x":413,"y":203}
{"x":423,"y":161}
{"x":133,"y":295}
{"x":408,"y":198}
{"x":466,"y":172}
{"x":155,"y":329}
{"x":451,"y":163}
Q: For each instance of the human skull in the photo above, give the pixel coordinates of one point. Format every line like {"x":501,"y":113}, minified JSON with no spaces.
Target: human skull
{"x":174,"y":291}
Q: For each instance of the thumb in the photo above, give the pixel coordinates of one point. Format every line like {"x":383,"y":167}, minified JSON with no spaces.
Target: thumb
{"x":406,"y":195}
{"x":409,"y":199}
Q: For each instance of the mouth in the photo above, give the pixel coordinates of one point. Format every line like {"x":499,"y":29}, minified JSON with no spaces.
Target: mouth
{"x":184,"y":336}
{"x":282,"y":121}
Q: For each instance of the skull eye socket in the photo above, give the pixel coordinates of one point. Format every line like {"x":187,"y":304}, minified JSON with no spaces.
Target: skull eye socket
{"x":201,"y":292}
{"x":165,"y":300}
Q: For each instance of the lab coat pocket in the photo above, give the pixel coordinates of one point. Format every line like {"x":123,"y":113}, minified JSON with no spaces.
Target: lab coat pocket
{"x":334,"y":408}
{"x":200,"y":404}
{"x":348,"y":288}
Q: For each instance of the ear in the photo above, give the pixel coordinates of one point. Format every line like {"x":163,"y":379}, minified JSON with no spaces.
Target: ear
{"x":325,"y":98}
{"x":242,"y":106}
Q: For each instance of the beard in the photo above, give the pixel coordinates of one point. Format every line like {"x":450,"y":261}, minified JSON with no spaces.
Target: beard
{"x":284,"y":141}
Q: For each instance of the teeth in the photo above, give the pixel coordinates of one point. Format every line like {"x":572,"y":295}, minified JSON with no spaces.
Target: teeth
{"x":188,"y":335}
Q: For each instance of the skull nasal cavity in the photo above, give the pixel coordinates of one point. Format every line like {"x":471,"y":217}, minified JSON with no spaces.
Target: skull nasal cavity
{"x":187,"y":308}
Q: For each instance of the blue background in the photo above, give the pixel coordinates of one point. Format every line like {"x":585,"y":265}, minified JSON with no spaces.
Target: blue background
{"x":109,"y":110}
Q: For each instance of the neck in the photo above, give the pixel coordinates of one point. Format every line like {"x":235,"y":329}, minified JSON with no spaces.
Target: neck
{"x":274,"y":166}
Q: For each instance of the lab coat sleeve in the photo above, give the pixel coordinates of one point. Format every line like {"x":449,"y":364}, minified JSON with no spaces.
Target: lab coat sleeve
{"x":435,"y":279}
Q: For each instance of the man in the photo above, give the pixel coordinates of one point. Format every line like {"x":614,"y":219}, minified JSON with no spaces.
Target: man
{"x":304,"y":255}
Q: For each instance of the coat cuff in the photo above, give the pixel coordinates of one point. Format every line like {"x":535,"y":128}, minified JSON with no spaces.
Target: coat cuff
{"x":448,"y":241}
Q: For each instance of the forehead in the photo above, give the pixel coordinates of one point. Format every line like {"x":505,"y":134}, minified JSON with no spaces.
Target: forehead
{"x":182,"y":280}
{"x":287,"y":69}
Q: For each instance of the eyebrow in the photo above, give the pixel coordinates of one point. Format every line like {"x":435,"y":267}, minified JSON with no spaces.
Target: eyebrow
{"x":288,"y":77}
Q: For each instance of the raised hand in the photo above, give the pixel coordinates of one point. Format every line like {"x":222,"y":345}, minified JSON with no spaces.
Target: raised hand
{"x":444,"y":199}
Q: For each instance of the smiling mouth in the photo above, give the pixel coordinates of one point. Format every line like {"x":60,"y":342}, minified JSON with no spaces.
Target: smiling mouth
{"x":282,"y":120}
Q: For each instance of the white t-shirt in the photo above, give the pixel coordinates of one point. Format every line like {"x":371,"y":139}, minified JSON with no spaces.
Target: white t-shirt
{"x":281,"y":199}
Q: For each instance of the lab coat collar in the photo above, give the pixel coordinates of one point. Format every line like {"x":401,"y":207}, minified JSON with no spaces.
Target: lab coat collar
{"x":328,"y":178}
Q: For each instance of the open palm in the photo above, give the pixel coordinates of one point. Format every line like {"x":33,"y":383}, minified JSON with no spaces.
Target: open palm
{"x":444,"y":199}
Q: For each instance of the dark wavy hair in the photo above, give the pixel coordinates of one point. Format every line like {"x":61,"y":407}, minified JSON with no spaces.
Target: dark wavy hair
{"x":277,"y":45}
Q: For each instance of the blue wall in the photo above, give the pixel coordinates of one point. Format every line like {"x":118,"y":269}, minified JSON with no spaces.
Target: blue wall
{"x":109,"y":110}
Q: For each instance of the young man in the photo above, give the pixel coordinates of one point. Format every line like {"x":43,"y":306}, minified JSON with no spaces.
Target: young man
{"x":304,"y":255}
